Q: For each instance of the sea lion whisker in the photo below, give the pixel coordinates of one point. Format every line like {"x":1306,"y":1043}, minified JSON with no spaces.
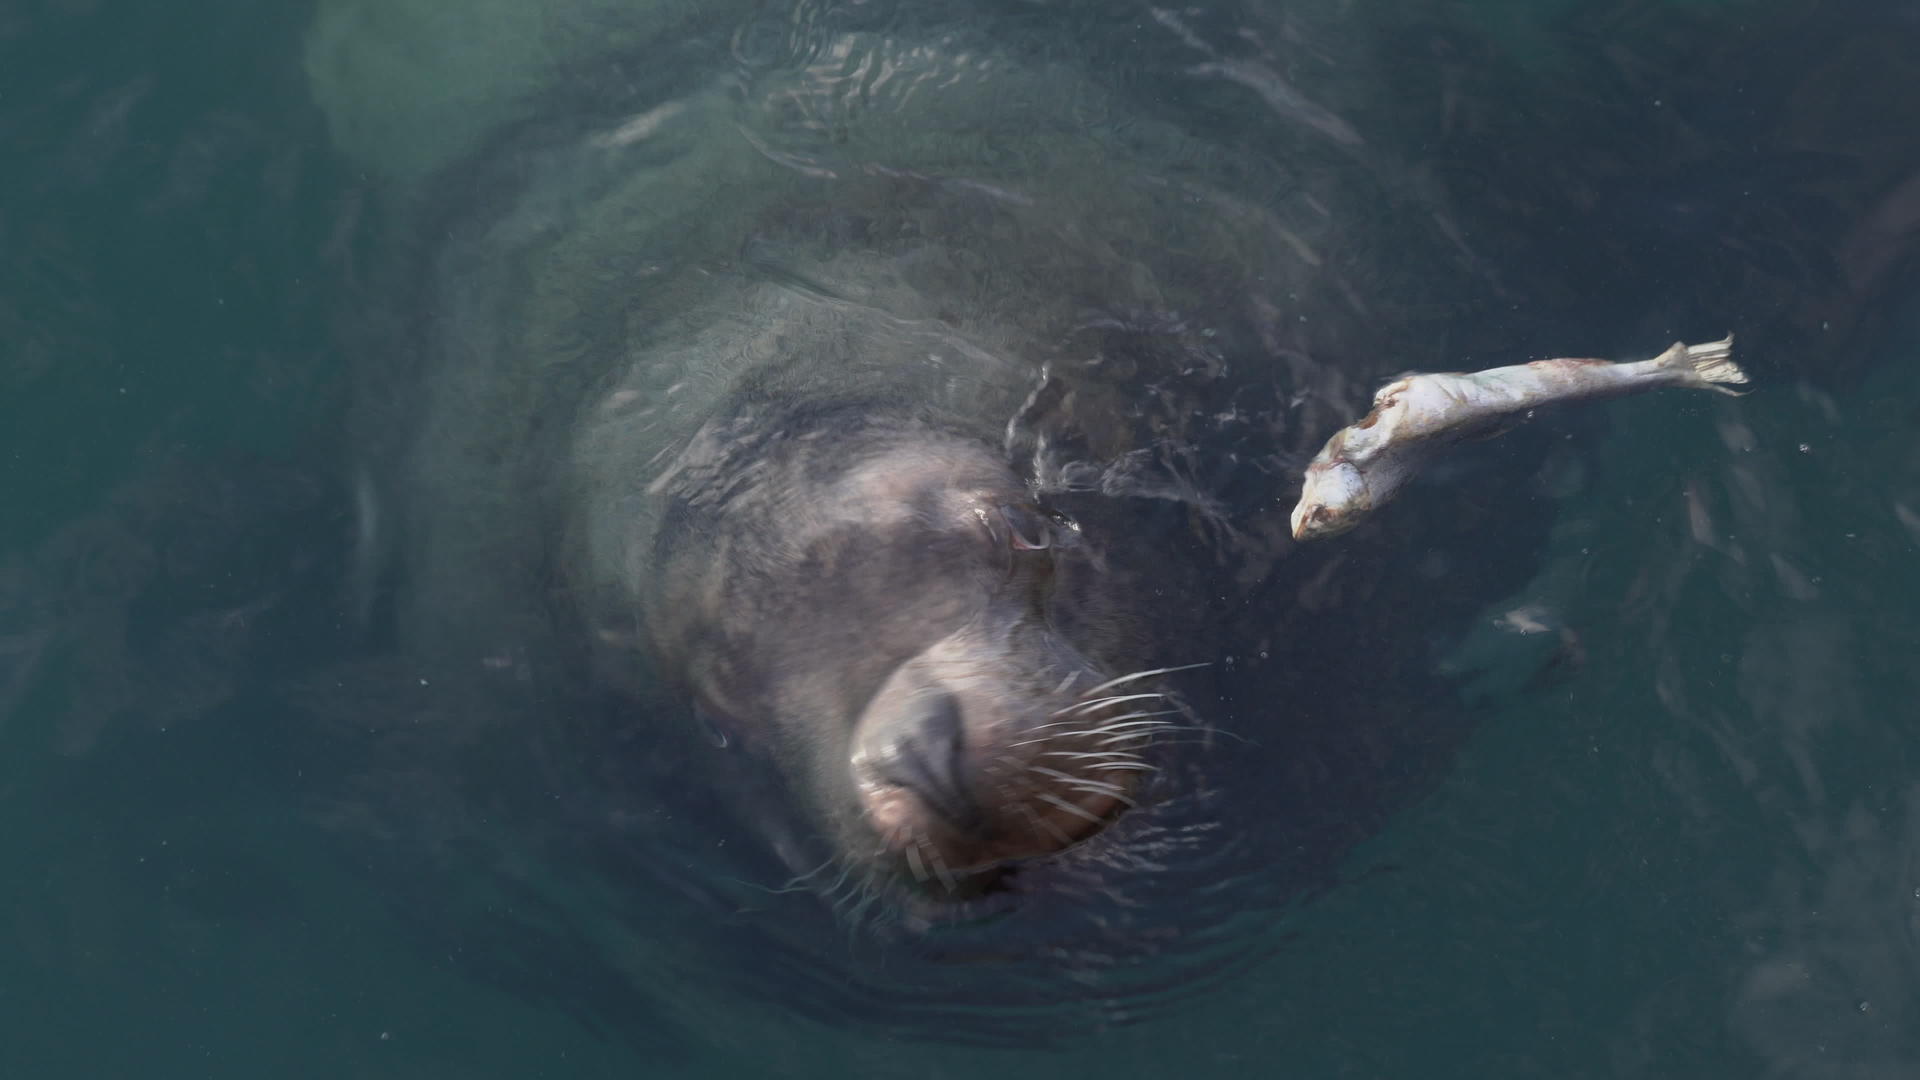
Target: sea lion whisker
{"x":1041,"y":824}
{"x":841,"y":900}
{"x":1115,"y":699}
{"x":1135,"y":736}
{"x":1147,"y":712}
{"x":1182,"y":742}
{"x":1072,"y":677}
{"x":1101,"y":787}
{"x":1148,"y":719}
{"x":844,"y":892}
{"x":1083,"y":727}
{"x":1085,"y":755}
{"x":1071,"y":808}
{"x":1137,"y":716}
{"x":1111,"y":683}
{"x":799,"y":881}
{"x":845,"y":880}
{"x":1102,"y":728}
{"x":1140,"y":729}
{"x":1096,"y":787}
{"x":1084,"y":732}
{"x":1096,"y":703}
{"x":861,"y":902}
{"x":1137,"y":766}
{"x":1137,"y":725}
{"x":1077,"y":722}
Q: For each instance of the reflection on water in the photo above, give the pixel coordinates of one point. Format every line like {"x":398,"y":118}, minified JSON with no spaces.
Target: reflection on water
{"x":1591,"y":757}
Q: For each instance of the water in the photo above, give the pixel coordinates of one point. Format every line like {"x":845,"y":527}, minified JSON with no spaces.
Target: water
{"x":266,"y":816}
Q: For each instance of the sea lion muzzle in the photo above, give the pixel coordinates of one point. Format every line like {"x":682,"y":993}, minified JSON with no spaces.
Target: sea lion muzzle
{"x":927,"y":756}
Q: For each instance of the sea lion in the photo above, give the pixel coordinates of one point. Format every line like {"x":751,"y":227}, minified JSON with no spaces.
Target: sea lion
{"x":902,"y":440}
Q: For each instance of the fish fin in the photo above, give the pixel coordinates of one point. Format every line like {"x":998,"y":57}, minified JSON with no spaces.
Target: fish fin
{"x":1711,"y":366}
{"x":1384,"y":395}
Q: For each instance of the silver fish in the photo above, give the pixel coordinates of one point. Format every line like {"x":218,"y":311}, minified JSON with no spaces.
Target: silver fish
{"x":1365,"y":465}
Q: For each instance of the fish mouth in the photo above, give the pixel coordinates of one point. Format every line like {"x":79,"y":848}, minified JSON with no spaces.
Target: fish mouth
{"x":1333,"y":498}
{"x":959,"y":780}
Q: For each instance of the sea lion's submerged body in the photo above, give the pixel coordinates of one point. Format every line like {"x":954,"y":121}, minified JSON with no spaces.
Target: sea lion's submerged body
{"x":807,"y":480}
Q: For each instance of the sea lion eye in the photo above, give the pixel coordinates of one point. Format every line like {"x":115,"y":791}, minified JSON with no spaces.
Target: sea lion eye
{"x":1030,"y":531}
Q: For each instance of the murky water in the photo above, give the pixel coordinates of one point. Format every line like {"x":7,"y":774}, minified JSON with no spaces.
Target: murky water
{"x":1593,"y":756}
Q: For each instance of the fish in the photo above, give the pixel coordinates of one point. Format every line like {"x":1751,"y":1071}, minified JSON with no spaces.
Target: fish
{"x":1365,"y":465}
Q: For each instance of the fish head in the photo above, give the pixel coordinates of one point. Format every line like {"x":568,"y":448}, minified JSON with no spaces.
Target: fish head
{"x":1333,"y":499}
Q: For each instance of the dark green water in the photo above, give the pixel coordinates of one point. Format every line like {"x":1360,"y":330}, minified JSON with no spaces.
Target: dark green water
{"x":1681,"y":839}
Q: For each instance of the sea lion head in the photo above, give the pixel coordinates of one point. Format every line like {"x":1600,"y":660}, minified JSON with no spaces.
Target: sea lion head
{"x":931,"y":651}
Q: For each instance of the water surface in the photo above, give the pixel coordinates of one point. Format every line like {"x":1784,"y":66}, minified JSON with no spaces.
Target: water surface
{"x":1673,"y":834}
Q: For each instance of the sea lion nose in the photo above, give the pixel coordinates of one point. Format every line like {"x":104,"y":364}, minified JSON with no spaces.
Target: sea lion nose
{"x":929,"y":759}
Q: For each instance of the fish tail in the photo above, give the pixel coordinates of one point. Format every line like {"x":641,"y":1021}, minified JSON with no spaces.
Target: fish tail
{"x":1707,"y":367}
